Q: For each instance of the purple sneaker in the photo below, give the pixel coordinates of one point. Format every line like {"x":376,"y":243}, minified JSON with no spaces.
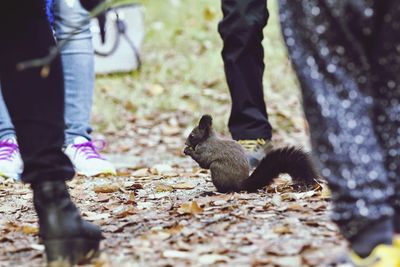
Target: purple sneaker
{"x":87,"y":161}
{"x":10,"y":159}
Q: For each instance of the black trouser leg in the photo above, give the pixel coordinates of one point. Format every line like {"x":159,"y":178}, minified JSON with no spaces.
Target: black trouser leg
{"x":36,"y":106}
{"x":329,"y":44}
{"x":35,"y":103}
{"x":242,"y":33}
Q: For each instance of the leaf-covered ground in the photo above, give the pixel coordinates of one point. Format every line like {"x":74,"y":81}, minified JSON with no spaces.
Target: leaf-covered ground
{"x":161,"y":209}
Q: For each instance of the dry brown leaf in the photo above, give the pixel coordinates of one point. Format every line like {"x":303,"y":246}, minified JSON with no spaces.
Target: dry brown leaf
{"x":102,"y":197}
{"x":208,"y":259}
{"x":94,"y":216}
{"x":297,"y":196}
{"x":132,"y":186}
{"x":296,"y":207}
{"x":123,"y":173}
{"x":219,"y":202}
{"x":282,"y":230}
{"x":126,"y":211}
{"x":161,"y":169}
{"x":107,"y":188}
{"x":171,"y":130}
{"x":175,"y":229}
{"x":190,"y":208}
{"x":132,"y":198}
{"x":143,"y":172}
{"x":177,"y":254}
{"x":183,"y":186}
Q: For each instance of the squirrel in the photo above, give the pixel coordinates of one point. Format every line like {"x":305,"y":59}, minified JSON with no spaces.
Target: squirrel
{"x":229,"y":165}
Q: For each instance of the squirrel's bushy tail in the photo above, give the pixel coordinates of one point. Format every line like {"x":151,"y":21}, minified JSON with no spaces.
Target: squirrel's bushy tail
{"x":290,"y":160}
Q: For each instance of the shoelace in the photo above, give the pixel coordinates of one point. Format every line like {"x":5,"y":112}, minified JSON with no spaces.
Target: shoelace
{"x":89,"y":149}
{"x":252,"y":144}
{"x":8,"y":149}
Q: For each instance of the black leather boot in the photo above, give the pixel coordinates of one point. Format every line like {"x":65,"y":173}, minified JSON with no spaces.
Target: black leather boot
{"x":67,"y":238}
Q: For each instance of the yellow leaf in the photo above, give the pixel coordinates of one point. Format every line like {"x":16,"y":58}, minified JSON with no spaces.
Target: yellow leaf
{"x":29,"y":230}
{"x":190,"y":208}
{"x":208,"y":14}
{"x":282,"y":230}
{"x":163,"y":187}
{"x":325,"y":192}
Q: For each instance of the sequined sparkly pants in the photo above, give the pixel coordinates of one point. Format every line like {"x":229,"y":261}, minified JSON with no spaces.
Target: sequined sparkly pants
{"x":346,"y":54}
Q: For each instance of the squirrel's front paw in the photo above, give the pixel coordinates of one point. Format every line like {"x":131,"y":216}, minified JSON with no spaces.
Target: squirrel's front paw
{"x":188,"y":150}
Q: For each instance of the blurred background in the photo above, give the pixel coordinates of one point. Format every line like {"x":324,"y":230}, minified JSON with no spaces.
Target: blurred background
{"x":182,"y":74}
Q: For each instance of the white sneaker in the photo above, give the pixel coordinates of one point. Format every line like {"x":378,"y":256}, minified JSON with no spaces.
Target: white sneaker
{"x":87,"y":161}
{"x":10,"y":159}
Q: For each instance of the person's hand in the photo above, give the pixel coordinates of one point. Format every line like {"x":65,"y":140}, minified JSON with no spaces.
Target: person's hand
{"x":90,"y":4}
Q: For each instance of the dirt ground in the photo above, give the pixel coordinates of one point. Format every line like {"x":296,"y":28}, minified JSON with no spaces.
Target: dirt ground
{"x":162,"y":210}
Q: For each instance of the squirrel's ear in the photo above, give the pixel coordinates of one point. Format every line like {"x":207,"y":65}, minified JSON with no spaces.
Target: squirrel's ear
{"x":205,"y":122}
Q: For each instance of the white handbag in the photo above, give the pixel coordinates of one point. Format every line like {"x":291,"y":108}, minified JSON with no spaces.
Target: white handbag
{"x":117,"y":38}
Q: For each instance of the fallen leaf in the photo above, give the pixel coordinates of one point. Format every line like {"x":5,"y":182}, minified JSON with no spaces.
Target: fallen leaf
{"x":37,"y":247}
{"x":154,"y":90}
{"x":171,"y":130}
{"x":297,"y":196}
{"x":132,"y":186}
{"x":30,"y":230}
{"x":190,"y":208}
{"x":132,"y":198}
{"x":325,"y":192}
{"x":161,"y":169}
{"x":126,"y":211}
{"x":107,"y":188}
{"x":183,"y":186}
{"x":94,"y":216}
{"x":296,"y":207}
{"x":212,"y":259}
{"x":282,"y":230}
{"x":160,"y":187}
{"x":143,"y":172}
{"x":175,"y":229}
{"x":276,"y":200}
{"x":177,"y":254}
{"x":102,"y":197}
{"x":208,"y":14}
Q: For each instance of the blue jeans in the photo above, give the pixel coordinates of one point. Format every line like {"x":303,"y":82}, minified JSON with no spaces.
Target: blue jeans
{"x":78,"y":65}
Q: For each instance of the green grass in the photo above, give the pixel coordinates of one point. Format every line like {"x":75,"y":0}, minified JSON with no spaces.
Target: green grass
{"x":181,"y":55}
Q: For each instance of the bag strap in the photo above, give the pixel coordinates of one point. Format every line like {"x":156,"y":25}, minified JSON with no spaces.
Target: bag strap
{"x":121,"y":32}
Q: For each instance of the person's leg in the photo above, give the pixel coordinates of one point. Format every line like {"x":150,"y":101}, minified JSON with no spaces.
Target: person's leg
{"x":36,"y":106}
{"x":386,"y":66}
{"x":71,"y":21}
{"x":10,"y":158}
{"x":242,"y":33}
{"x":330,"y":59}
{"x":6,"y":126}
